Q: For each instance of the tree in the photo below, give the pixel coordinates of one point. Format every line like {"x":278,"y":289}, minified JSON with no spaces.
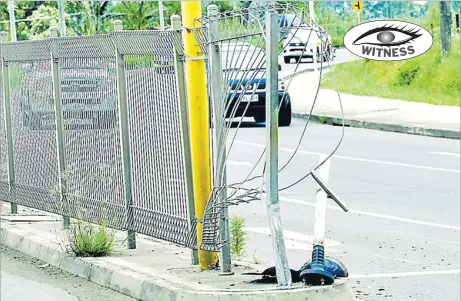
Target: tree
{"x":41,"y":20}
{"x":138,"y":15}
{"x":94,"y":20}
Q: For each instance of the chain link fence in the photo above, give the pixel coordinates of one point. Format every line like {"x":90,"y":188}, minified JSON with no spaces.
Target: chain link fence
{"x":122,"y":161}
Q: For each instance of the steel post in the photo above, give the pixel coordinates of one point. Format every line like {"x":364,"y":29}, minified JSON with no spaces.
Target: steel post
{"x":125,"y":143}
{"x":59,"y":132}
{"x":184,"y":117}
{"x":271,"y":174}
{"x":219,"y":138}
{"x":9,"y":127}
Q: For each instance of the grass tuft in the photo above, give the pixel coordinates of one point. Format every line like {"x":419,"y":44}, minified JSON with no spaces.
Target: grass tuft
{"x":238,"y":237}
{"x":90,"y":240}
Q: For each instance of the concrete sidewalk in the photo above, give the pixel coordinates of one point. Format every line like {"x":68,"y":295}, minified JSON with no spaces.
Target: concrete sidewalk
{"x":372,"y":112}
{"x":154,"y":271}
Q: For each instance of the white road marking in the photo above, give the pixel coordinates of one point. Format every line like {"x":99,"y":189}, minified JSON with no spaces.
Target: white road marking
{"x":378,"y":215}
{"x":297,"y":236}
{"x":298,"y":245}
{"x":446,"y":154}
{"x":404,"y":274}
{"x":389,"y":163}
{"x":238,"y":163}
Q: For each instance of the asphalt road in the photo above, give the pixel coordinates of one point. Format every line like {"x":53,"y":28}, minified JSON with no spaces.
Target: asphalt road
{"x":24,"y":279}
{"x":401,"y":238}
{"x":342,"y":55}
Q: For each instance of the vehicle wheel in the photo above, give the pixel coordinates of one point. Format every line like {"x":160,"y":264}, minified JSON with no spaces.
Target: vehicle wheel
{"x":285,"y":115}
{"x":260,"y":116}
{"x":287,"y":59}
{"x":319,"y":56}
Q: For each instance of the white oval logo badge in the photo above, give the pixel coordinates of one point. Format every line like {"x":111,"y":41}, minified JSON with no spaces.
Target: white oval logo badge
{"x":388,"y":40}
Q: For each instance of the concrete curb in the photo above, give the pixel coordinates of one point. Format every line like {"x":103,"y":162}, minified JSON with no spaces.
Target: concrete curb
{"x":388,"y":127}
{"x":147,"y":287}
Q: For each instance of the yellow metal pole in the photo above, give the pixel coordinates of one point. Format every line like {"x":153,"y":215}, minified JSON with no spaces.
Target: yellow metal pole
{"x":199,"y":124}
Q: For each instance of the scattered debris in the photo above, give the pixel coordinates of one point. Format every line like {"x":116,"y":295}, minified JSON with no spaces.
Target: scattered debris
{"x":269,"y":276}
{"x":44,"y":265}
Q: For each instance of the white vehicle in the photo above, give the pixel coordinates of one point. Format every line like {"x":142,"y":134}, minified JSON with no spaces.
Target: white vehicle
{"x":303,"y":42}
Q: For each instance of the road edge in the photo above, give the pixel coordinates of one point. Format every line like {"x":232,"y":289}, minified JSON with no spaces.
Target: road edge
{"x":146,"y":287}
{"x":386,"y":127}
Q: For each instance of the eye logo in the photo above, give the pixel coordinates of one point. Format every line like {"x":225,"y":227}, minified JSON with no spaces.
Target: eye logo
{"x":388,"y":40}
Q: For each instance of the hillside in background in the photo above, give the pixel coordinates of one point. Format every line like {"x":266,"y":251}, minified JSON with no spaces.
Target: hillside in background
{"x":428,"y":78}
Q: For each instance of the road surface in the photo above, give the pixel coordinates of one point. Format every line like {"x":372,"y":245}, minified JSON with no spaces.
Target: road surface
{"x":342,"y":55}
{"x":24,"y":279}
{"x":401,"y":238}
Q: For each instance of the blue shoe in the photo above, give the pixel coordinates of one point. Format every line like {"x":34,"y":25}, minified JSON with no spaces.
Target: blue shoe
{"x":332,"y":265}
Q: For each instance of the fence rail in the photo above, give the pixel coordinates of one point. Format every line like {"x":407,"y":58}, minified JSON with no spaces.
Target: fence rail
{"x":123,"y":158}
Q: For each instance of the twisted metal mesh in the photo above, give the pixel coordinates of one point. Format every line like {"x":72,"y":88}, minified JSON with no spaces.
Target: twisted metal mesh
{"x":158,"y":174}
{"x":242,"y":43}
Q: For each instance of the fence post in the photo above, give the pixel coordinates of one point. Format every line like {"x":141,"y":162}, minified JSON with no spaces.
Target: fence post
{"x":5,"y":76}
{"x":184,"y":117}
{"x":219,"y":141}
{"x":271,"y":176}
{"x":59,"y":130}
{"x":125,"y":142}
{"x":321,"y":204}
{"x":199,"y":124}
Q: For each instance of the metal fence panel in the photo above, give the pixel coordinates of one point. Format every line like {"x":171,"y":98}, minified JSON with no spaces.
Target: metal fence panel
{"x":91,"y":129}
{"x":89,"y":92}
{"x":159,"y":188}
{"x":34,"y":148}
{"x":4,"y":186}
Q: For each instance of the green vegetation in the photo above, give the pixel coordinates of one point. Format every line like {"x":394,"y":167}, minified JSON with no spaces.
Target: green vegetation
{"x":256,"y":259}
{"x":238,"y":237}
{"x":90,"y":240}
{"x":322,"y":119}
{"x":86,"y":236}
{"x":428,"y":78}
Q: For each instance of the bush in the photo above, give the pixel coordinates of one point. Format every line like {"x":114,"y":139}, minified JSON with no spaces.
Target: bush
{"x":89,"y":240}
{"x":406,"y":77}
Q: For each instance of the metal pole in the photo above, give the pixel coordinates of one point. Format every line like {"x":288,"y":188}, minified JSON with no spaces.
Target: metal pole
{"x":12,"y":21}
{"x":9,"y":127}
{"x":219,"y":145}
{"x":184,"y":117}
{"x":272,"y":105}
{"x":312,"y":10}
{"x":59,"y":130}
{"x":62,"y":20}
{"x":199,"y":124}
{"x":445,"y":28}
{"x":125,"y":143}
{"x":389,"y":9}
{"x":160,"y":12}
{"x":321,"y":206}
